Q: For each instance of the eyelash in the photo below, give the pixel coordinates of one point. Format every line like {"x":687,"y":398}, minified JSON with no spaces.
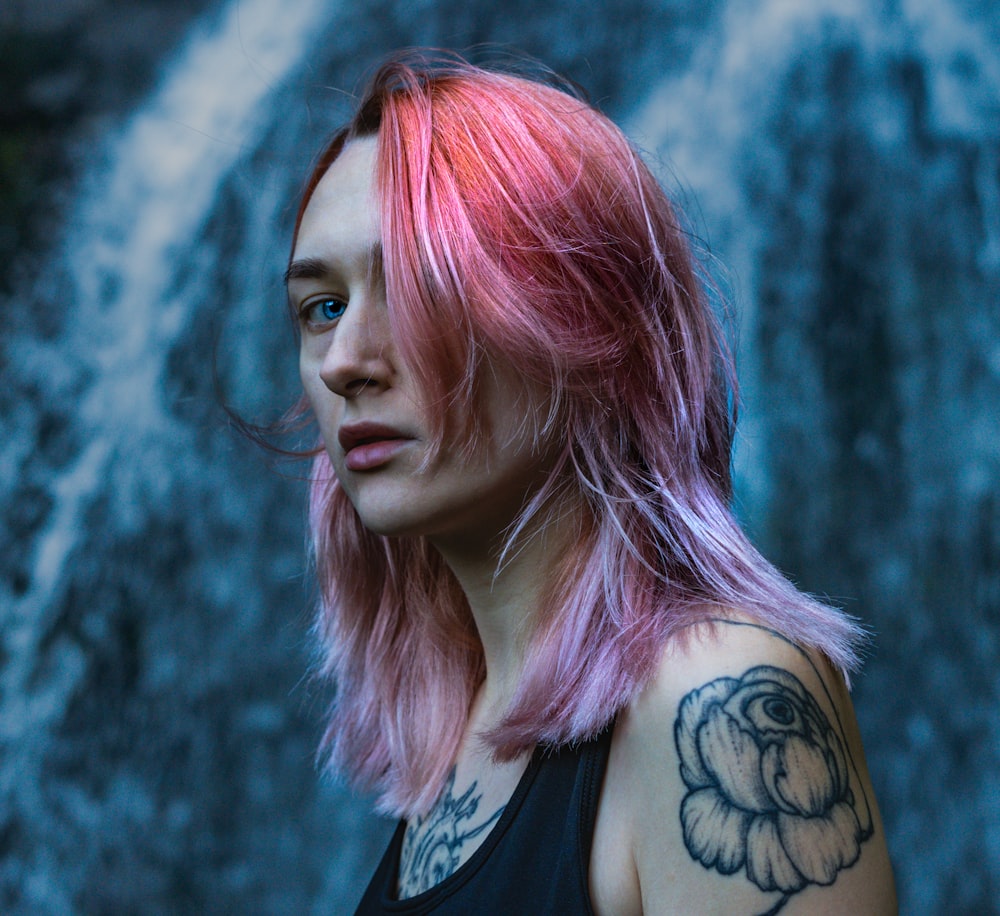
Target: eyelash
{"x":308,"y":311}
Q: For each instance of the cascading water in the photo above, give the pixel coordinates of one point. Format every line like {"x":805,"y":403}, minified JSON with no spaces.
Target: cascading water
{"x":842,"y":158}
{"x":847,"y":163}
{"x":125,"y":250}
{"x":130,"y":285}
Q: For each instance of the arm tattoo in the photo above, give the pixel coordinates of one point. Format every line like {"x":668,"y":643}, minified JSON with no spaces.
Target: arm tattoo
{"x":433,"y":843}
{"x":771,"y":787}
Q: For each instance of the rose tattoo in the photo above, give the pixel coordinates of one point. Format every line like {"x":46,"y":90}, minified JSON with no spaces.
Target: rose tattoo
{"x":771,"y":788}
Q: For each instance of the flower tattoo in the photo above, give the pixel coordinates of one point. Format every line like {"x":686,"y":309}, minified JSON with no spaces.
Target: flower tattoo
{"x":771,"y":788}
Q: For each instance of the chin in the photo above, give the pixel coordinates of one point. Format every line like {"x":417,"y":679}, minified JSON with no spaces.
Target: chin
{"x":390,"y":525}
{"x":394,"y":525}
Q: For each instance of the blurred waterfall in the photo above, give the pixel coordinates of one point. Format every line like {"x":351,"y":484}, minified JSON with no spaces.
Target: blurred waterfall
{"x":842,"y":160}
{"x":845,"y":157}
{"x":122,"y":304}
{"x":125,"y":535}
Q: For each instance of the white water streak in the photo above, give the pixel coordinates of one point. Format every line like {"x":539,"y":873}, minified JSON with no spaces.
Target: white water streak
{"x":127,"y":234}
{"x":707,"y":118}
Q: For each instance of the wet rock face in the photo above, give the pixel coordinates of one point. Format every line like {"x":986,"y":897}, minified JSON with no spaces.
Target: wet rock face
{"x":158,"y":736}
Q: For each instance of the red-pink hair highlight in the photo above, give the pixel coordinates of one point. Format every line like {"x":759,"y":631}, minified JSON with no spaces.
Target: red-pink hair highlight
{"x":520,"y":226}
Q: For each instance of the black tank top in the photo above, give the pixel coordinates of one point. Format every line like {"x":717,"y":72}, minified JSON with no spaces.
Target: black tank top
{"x":536,"y":858}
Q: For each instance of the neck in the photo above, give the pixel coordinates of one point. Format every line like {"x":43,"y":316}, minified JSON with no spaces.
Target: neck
{"x":505,"y":590}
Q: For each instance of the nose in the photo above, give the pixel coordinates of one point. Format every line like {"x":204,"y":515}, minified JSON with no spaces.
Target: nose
{"x":360,"y":355}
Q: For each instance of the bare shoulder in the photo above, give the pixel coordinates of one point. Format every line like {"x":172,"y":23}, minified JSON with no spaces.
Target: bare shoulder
{"x":738,"y":781}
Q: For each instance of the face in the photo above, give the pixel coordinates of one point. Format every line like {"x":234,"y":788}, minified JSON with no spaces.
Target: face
{"x":370,"y":411}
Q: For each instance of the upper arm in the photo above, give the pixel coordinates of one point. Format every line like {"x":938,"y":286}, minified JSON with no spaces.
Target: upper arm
{"x":746,"y":786}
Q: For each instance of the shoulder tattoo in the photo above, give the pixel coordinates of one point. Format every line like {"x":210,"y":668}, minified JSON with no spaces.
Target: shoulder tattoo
{"x":434,"y":843}
{"x":772,"y":789}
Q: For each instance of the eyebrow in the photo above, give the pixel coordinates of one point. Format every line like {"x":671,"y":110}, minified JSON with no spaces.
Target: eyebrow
{"x":306,"y":269}
{"x":317,"y":268}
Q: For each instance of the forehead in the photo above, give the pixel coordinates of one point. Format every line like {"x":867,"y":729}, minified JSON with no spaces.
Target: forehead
{"x":342,"y":213}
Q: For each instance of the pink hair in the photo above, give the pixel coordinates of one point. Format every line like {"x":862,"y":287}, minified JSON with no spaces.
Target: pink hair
{"x":520,"y":226}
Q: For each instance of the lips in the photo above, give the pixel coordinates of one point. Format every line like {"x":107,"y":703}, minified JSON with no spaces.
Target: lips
{"x":369,"y":445}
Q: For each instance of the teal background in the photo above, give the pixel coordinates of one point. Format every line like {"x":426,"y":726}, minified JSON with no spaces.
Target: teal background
{"x":841,"y":162}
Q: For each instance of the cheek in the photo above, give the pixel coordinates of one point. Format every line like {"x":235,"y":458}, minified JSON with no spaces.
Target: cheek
{"x":309,"y":365}
{"x":517,"y":410}
{"x":306,"y":374}
{"x":312,"y":384}
{"x":324,"y":403}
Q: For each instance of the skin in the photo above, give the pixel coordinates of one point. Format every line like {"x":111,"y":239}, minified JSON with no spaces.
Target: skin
{"x":352,"y":373}
{"x":640,"y":863}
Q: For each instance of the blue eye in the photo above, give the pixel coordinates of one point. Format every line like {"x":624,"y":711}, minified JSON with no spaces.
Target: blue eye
{"x":323,"y":311}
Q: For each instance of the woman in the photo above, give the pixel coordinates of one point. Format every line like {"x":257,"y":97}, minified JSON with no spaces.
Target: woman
{"x":557,"y":657}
